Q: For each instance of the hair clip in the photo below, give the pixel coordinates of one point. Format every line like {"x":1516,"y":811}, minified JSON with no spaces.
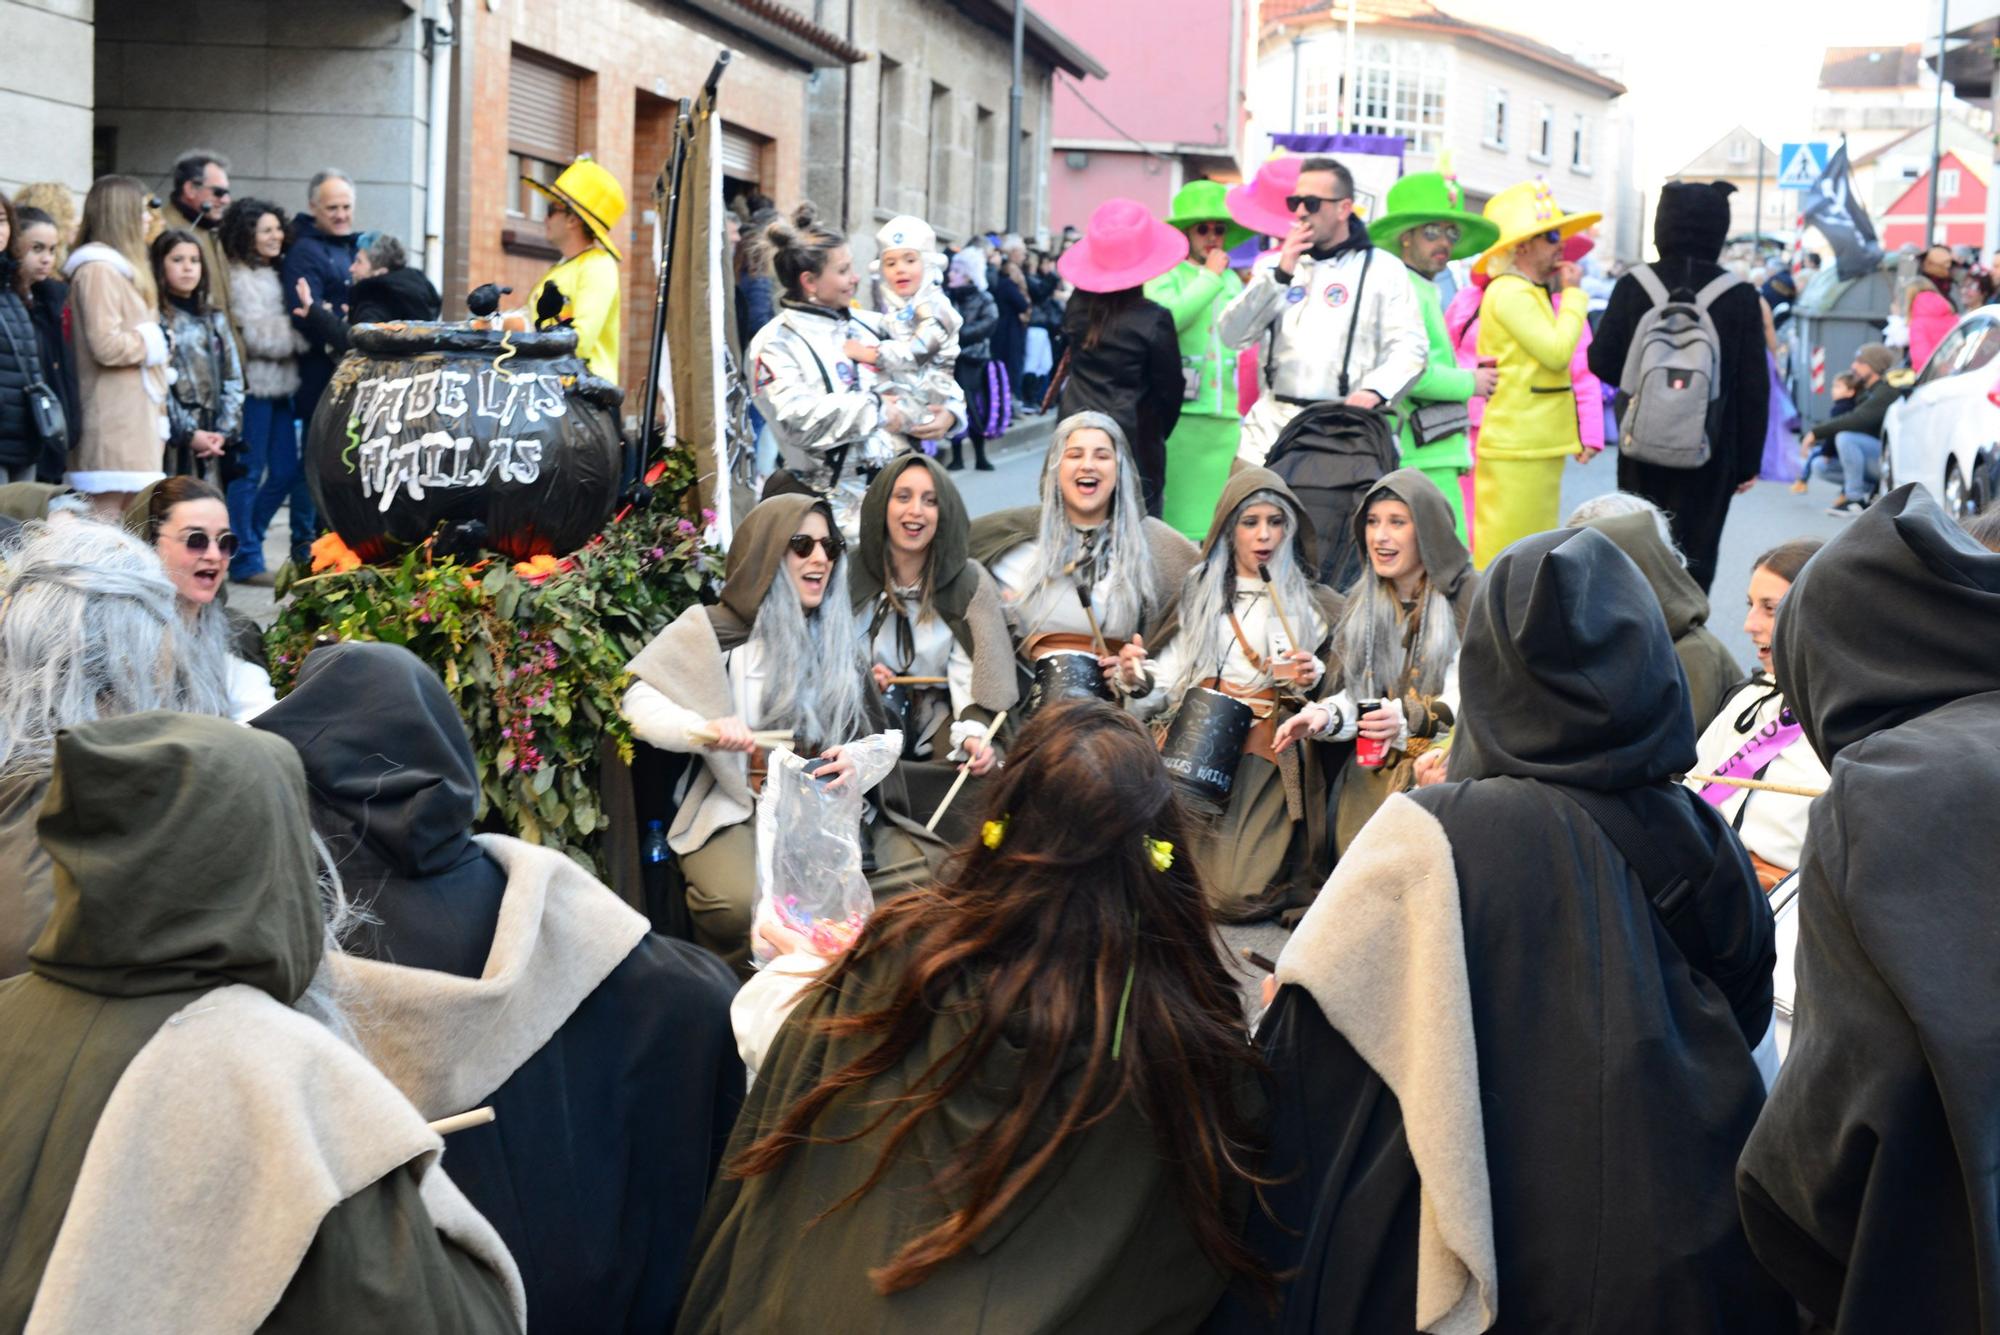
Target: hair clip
{"x":1160,"y":853}
{"x":993,"y":831}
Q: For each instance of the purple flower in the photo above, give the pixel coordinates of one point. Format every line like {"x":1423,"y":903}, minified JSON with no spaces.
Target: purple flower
{"x":506,"y":732}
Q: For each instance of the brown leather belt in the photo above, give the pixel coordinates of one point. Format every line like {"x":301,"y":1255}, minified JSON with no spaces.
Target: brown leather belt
{"x":1055,"y":642}
{"x":1264,"y":705}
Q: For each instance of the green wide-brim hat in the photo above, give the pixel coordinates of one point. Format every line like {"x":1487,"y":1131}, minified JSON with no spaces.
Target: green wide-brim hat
{"x":1205,"y":201}
{"x":1425,"y":197}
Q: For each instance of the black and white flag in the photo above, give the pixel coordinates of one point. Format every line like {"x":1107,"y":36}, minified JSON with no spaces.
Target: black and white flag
{"x":1831,"y":207}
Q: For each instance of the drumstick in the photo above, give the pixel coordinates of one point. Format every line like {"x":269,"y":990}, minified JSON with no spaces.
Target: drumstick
{"x":767,"y":738}
{"x":919,"y":681}
{"x":964,"y":773}
{"x":1253,"y":957}
{"x":1264,"y":573}
{"x":1758,"y":785}
{"x":1083,"y":596}
{"x":444,"y":1126}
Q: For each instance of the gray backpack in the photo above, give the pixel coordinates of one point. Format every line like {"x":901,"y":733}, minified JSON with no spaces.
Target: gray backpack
{"x":1671,"y":375}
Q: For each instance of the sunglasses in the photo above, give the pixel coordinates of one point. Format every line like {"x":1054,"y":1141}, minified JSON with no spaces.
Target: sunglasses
{"x":1311,"y":203}
{"x":801,"y":545}
{"x":1210,"y":229}
{"x":219,"y":191}
{"x":1553,"y":236}
{"x":1441,"y":232}
{"x":196,"y":541}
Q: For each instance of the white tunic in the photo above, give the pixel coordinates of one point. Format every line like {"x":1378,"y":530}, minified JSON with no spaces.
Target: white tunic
{"x":1261,"y":627}
{"x":1772,"y":825}
{"x":1054,"y":608}
{"x":937,"y":653}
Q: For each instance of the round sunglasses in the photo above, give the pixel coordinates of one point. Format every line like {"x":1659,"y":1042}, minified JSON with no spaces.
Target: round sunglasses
{"x":197,"y":540}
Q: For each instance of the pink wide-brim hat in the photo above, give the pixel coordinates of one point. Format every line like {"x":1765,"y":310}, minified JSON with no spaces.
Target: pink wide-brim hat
{"x":1259,"y":203}
{"x":1577,"y":246}
{"x":1123,"y":246}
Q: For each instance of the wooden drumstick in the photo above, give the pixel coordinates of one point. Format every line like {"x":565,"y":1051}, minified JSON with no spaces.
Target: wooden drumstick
{"x":1264,"y":573}
{"x":964,"y":773}
{"x":444,"y":1126}
{"x":919,"y":681}
{"x":1096,"y":634}
{"x":766,"y":738}
{"x":1758,"y":785}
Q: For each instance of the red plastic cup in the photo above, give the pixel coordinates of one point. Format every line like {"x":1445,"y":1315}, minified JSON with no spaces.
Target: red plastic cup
{"x":1370,"y":752}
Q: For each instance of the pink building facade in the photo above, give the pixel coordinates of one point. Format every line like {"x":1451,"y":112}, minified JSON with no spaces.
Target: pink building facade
{"x":1172,"y":109}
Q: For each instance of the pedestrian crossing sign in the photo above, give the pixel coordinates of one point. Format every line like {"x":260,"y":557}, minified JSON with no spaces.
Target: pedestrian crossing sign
{"x":1799,"y":165}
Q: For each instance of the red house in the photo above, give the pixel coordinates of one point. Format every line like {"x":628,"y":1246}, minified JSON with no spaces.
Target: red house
{"x":1961,"y":207}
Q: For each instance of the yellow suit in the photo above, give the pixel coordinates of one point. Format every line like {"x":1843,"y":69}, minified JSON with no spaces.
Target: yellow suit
{"x":591,"y":284}
{"x":1530,"y":422}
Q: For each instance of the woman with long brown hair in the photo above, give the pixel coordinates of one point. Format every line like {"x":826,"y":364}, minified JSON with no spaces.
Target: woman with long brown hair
{"x":1022,"y":1101}
{"x":121,"y":351}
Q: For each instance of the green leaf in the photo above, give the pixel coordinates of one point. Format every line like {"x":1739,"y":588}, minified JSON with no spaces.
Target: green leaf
{"x":544,"y":777}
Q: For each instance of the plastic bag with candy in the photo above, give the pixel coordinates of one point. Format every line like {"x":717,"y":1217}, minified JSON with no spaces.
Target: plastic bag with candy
{"x":809,"y":846}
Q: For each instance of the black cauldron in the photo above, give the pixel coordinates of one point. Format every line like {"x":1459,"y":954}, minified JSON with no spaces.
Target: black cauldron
{"x":431,"y":423}
{"x":1205,"y":743}
{"x":1066,"y":674}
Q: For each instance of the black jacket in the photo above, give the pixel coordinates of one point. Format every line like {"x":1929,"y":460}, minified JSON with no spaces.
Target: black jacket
{"x":977,"y":315}
{"x":1010,"y":336}
{"x":1614,"y":1077}
{"x":48,"y":305}
{"x":323,"y":261}
{"x":598,"y":1163}
{"x":20,"y":364}
{"x":1867,"y":1189}
{"x":1133,"y":375}
{"x":400,"y":294}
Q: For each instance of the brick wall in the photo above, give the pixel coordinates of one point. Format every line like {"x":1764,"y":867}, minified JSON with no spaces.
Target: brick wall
{"x":637,"y":62}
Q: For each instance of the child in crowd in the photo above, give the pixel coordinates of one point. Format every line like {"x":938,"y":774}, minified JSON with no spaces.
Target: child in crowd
{"x":914,"y":359}
{"x":205,"y":402}
{"x":1845,"y":391}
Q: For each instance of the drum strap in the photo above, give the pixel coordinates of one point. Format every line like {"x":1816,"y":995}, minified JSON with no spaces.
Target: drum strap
{"x":1242,"y":642}
{"x":1057,"y":641}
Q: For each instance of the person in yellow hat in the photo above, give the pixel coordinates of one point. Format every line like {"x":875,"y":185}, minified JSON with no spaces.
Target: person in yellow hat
{"x":1531,"y":424}
{"x":585,"y":204}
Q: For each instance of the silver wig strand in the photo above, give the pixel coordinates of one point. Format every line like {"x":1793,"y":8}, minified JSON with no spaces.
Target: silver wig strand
{"x":1210,"y":592}
{"x":1129,"y":560}
{"x":1369,"y":641}
{"x":90,"y":628}
{"x":330,"y":998}
{"x":813,"y":664}
{"x":203,"y":665}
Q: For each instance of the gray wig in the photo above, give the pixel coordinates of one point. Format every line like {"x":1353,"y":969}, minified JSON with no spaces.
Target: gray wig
{"x":90,"y":628}
{"x":814,"y":664}
{"x":1210,"y":592}
{"x":1626,"y":503}
{"x":1368,"y":643}
{"x":1127,"y":561}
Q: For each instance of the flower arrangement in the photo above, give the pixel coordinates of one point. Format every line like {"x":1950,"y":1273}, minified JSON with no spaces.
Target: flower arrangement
{"x":533,"y":655}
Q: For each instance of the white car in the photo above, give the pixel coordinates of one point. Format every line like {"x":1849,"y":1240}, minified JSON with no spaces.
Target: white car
{"x":1945,"y":432}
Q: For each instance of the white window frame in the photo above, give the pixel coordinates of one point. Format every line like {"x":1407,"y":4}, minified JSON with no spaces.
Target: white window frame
{"x":1493,"y":130}
{"x":1582,"y":144}
{"x":1542,"y":143}
{"x":1401,"y":90}
{"x":1739,"y":151}
{"x":1949,"y":183}
{"x":1319,"y":90}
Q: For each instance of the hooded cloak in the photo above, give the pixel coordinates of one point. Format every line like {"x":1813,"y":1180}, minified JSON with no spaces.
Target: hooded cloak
{"x":1505,"y":1100}
{"x":177,"y":1135}
{"x":499,"y":973}
{"x":1867,"y":1187}
{"x":1711,"y":670}
{"x":965,"y":595}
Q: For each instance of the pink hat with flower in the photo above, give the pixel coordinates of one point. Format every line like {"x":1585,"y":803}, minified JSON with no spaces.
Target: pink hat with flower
{"x":1259,"y":204}
{"x":1122,"y":247}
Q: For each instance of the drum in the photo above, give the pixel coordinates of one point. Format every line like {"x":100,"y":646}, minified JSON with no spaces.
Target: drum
{"x":1066,"y":674}
{"x":1205,"y":742}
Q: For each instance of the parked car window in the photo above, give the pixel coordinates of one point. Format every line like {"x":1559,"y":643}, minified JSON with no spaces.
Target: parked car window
{"x":1950,"y":356}
{"x":1981,"y":351}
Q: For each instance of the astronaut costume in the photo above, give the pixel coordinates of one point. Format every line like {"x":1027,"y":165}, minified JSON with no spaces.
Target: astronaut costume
{"x":1307,"y":322}
{"x":919,"y":343}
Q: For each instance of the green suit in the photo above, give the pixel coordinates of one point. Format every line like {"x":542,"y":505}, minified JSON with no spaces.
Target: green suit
{"x":1443,"y":381}
{"x":1199,"y":450}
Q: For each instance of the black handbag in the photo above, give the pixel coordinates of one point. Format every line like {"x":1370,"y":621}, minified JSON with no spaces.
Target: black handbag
{"x":45,"y":410}
{"x":1435,"y":421}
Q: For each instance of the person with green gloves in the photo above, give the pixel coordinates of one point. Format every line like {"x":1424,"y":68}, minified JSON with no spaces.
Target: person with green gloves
{"x":1425,"y":225}
{"x":1195,"y":291}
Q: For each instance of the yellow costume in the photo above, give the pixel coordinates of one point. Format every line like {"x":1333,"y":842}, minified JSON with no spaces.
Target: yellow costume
{"x":590,"y":282}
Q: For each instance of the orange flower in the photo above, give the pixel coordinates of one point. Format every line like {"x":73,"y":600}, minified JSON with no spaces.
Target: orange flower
{"x":538,"y":568}
{"x":330,"y":553}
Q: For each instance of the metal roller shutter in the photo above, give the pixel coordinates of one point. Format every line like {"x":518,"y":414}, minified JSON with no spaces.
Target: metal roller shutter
{"x":742,"y":154}
{"x":541,"y":110}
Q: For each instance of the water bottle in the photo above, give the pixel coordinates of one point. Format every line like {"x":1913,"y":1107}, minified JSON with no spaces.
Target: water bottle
{"x":653,"y":848}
